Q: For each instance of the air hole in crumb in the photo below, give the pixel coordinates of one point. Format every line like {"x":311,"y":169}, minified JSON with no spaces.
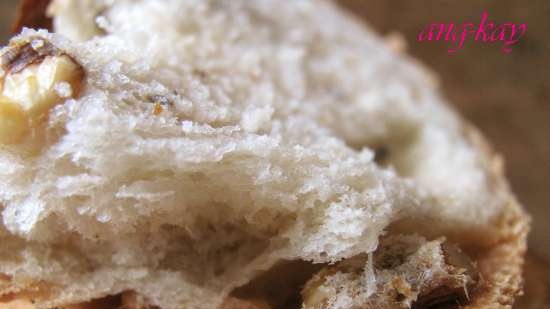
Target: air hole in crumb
{"x":381,"y":155}
{"x":440,"y":298}
{"x":281,"y":285}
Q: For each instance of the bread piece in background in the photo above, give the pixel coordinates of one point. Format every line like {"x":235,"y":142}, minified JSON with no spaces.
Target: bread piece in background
{"x":7,"y":16}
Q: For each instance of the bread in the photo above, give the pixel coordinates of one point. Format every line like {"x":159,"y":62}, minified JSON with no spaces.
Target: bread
{"x":224,"y":152}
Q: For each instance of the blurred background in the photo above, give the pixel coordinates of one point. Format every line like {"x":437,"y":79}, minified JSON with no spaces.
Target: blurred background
{"x":506,"y":95}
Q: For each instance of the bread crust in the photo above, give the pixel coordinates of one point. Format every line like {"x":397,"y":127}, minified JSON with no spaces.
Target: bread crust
{"x":502,"y":265}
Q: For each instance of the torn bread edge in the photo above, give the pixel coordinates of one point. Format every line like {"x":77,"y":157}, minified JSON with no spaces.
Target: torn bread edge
{"x":500,"y":266}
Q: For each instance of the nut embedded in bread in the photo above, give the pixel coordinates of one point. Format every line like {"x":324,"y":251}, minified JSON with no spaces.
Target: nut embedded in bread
{"x":215,"y":150}
{"x":34,"y":77}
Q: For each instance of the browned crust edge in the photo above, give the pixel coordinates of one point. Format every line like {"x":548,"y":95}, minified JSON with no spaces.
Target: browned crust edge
{"x":502,"y":265}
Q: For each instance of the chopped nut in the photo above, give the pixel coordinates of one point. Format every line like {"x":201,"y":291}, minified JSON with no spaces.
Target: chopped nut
{"x":13,"y":122}
{"x":35,"y":76}
{"x":21,"y":54}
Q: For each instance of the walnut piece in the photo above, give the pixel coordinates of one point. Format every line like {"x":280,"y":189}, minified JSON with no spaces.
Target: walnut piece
{"x":34,"y":77}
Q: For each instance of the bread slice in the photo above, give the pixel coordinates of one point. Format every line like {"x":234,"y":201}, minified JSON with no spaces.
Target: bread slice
{"x":214,"y":150}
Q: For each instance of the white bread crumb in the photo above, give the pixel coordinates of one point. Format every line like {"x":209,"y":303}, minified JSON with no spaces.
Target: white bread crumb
{"x":263,"y":151}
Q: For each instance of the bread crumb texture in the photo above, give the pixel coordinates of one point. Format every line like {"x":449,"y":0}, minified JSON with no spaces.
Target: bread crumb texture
{"x":404,"y":272}
{"x":212,"y":139}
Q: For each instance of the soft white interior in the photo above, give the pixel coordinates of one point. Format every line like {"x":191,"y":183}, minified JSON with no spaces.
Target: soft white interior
{"x":263,"y":151}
